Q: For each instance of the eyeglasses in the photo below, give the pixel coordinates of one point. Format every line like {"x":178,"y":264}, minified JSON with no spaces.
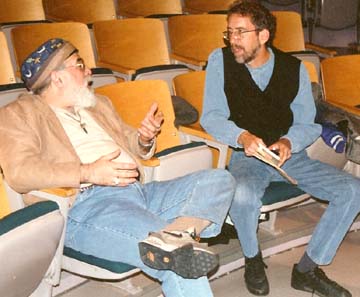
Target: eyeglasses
{"x":79,"y":63}
{"x":237,"y":33}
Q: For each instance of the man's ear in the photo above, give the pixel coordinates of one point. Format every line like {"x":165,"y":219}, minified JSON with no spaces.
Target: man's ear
{"x":264,"y":36}
{"x":56,"y":79}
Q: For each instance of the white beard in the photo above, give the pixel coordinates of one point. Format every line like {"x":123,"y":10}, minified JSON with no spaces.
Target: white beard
{"x":82,"y":96}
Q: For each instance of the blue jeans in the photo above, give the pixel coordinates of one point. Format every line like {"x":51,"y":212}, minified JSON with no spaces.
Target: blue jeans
{"x":320,"y":180}
{"x":109,"y":222}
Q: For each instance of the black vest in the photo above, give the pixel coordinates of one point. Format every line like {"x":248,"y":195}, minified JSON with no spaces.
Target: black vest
{"x":267,"y":113}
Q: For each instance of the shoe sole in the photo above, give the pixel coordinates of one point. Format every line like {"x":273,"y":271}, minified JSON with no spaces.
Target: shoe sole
{"x":257,"y":292}
{"x":184,"y":261}
{"x":308,"y":289}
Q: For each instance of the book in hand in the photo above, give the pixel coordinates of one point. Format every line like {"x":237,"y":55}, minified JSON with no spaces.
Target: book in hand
{"x":269,"y":157}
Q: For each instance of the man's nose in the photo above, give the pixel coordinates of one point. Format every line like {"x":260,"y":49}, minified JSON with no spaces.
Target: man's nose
{"x":87,"y":71}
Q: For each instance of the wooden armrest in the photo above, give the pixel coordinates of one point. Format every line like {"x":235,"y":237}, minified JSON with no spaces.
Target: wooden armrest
{"x":195,"y":130}
{"x":187,"y":60}
{"x":352,"y":109}
{"x":153,"y":162}
{"x":322,"y":50}
{"x":62,"y":192}
{"x":118,"y":68}
{"x":196,"y":133}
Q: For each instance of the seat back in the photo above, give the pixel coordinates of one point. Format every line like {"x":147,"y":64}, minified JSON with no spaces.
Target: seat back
{"x":7,"y":75}
{"x":289,"y":31}
{"x":341,"y":80}
{"x":204,"y":6}
{"x":27,"y":38}
{"x":129,"y":44}
{"x":327,"y":19}
{"x":194,"y":37}
{"x":12,"y":11}
{"x":132,"y":101}
{"x":282,"y":2}
{"x":289,"y":37}
{"x":336,"y":15}
{"x":82,"y":11}
{"x":312,"y":72}
{"x":137,"y":8}
{"x":11,"y":92}
{"x":190,"y":86}
{"x":38,"y":228}
{"x":4,"y":201}
{"x":289,"y":5}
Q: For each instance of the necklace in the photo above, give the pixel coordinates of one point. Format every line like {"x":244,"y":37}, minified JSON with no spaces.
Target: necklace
{"x":77,"y":117}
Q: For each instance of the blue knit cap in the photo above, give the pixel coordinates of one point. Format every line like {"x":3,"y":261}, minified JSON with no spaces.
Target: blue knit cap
{"x":39,"y":64}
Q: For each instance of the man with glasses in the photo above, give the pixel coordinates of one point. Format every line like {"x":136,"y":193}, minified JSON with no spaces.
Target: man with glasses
{"x":258,"y":97}
{"x":62,"y":135}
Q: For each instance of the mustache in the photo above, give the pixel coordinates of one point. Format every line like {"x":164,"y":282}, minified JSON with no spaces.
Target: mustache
{"x":236,"y":46}
{"x":88,"y":82}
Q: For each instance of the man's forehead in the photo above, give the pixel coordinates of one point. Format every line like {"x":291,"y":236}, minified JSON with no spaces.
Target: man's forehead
{"x":238,"y":21}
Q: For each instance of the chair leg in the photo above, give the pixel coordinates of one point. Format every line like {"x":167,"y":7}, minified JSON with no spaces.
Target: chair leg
{"x":43,"y":290}
{"x":128,"y":286}
{"x":269,"y":225}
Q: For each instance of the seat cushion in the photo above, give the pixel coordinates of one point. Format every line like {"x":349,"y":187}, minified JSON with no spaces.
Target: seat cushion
{"x":280,"y":191}
{"x":116,"y":267}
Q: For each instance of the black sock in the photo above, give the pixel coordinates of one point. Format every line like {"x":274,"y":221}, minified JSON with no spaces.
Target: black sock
{"x":306,"y":264}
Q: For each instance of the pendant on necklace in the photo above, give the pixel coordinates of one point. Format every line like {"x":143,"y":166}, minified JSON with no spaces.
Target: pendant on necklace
{"x":82,"y":125}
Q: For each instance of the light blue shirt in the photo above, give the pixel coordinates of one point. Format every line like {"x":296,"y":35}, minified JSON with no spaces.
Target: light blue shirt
{"x":216,"y":113}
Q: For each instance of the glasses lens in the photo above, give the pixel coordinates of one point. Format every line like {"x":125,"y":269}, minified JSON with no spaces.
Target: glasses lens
{"x":81,"y":64}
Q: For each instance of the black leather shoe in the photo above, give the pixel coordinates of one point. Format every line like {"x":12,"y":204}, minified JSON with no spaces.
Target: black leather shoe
{"x":316,"y":282}
{"x":255,"y":277}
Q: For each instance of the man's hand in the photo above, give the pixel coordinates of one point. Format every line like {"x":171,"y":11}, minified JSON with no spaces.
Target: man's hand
{"x":250,"y":142}
{"x":107,"y":172}
{"x":151,"y":124}
{"x":283,"y":147}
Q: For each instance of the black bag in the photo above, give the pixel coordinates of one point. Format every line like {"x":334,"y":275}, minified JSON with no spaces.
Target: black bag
{"x":185,"y":113}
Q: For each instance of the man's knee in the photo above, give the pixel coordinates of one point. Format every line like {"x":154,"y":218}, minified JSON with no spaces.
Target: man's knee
{"x":247,"y":194}
{"x":220,"y":178}
{"x":224,"y":176}
{"x":353,"y":193}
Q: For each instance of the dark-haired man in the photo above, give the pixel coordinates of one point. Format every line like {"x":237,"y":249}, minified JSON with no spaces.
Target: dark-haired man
{"x":257,"y":96}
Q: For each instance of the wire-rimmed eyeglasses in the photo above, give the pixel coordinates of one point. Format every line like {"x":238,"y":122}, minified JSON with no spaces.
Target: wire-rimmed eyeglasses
{"x":237,"y":33}
{"x":79,"y":64}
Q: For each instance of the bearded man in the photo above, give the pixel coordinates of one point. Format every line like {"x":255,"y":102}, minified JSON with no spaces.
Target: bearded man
{"x":257,"y":97}
{"x":62,"y":135}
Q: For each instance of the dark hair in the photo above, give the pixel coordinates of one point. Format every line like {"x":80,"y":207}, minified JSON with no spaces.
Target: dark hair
{"x":260,"y":16}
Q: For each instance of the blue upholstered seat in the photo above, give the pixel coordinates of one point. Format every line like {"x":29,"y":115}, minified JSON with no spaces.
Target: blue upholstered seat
{"x":280,"y":191}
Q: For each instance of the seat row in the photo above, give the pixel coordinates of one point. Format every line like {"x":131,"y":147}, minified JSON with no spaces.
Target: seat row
{"x":130,"y":45}
{"x":127,"y":45}
{"x":91,"y":11}
{"x":316,"y":15}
